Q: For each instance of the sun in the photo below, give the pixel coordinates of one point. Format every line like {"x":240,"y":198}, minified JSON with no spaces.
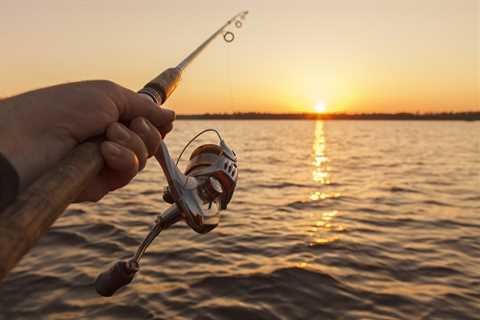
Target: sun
{"x":320,"y":107}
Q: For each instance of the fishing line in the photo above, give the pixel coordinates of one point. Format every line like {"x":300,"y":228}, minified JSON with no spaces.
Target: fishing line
{"x":229,"y":78}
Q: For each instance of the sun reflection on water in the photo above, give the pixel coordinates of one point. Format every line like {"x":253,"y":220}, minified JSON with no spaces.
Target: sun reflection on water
{"x":322,"y":196}
{"x":320,"y":159}
{"x":323,"y":230}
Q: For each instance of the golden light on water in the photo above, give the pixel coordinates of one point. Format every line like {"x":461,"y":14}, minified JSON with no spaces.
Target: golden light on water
{"x":317,"y":195}
{"x":323,"y":230}
{"x":320,"y":241}
{"x":320,"y":159}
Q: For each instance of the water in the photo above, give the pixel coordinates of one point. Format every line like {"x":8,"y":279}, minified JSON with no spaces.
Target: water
{"x":351,"y":220}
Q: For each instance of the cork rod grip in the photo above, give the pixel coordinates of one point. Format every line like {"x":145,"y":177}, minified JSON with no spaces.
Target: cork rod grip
{"x":37,"y":208}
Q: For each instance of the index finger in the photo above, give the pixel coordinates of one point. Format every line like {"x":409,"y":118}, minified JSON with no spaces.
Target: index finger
{"x":132,"y":105}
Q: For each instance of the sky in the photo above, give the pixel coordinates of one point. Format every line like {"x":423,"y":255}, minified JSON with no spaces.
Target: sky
{"x":351,"y":55}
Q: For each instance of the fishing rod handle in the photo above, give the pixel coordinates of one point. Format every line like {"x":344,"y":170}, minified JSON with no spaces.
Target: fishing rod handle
{"x":37,"y":208}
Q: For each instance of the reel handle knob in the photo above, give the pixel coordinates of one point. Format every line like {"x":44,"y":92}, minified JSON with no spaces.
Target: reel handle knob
{"x":119,"y":275}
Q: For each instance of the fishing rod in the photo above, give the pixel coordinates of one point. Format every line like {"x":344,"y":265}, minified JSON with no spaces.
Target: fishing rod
{"x":160,"y":88}
{"x":196,"y":196}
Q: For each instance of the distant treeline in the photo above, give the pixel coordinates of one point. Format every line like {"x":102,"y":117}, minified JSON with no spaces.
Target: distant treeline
{"x":459,"y":116}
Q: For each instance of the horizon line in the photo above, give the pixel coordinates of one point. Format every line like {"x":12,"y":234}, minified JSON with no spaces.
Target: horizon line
{"x":457,"y":116}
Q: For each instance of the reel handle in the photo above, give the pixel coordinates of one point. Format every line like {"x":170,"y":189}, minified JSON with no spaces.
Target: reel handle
{"x":123,"y":272}
{"x":119,"y":275}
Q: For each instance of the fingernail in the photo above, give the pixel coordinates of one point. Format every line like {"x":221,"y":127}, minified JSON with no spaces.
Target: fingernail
{"x":112,"y":149}
{"x":144,"y":125}
{"x":121,"y":133}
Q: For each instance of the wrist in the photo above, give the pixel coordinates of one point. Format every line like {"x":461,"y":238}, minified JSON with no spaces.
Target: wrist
{"x":9,"y":183}
{"x":11,"y":146}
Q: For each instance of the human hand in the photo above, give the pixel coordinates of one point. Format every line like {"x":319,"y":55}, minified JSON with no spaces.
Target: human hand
{"x":41,"y":127}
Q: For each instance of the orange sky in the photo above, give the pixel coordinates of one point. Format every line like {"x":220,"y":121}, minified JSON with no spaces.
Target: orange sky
{"x":355,"y":56}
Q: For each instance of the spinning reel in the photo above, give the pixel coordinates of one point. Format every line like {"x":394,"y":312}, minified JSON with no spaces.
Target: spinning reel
{"x":197,"y":197}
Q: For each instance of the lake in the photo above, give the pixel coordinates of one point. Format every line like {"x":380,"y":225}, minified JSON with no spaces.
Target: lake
{"x":335,"y":219}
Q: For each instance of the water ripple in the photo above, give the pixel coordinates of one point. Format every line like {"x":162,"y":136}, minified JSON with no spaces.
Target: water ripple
{"x":347,"y":220}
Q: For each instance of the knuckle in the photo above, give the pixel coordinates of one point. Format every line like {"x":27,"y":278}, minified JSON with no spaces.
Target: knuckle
{"x":136,"y":125}
{"x":107,"y":84}
{"x":102,"y":84}
{"x":146,"y":131}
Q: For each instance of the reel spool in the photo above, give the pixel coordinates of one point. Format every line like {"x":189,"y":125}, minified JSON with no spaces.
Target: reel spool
{"x":197,"y":197}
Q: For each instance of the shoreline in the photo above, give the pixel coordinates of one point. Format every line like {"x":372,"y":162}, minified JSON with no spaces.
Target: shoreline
{"x":444,"y":116}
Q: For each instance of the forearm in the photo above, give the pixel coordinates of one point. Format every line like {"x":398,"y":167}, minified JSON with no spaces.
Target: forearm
{"x":9,"y":179}
{"x":24,"y":142}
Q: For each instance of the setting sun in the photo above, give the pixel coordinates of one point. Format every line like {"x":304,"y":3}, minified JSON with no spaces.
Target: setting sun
{"x":320,"y":107}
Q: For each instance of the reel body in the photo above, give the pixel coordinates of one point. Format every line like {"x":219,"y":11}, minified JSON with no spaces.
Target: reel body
{"x":197,"y":197}
{"x":207,"y":186}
